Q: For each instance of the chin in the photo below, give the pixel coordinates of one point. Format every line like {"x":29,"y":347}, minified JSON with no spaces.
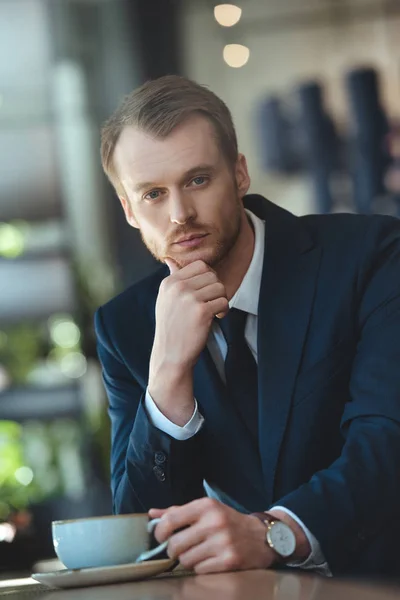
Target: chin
{"x":186,"y":259}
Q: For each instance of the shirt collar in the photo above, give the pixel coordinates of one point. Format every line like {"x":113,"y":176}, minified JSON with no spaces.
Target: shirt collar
{"x":247,"y":295}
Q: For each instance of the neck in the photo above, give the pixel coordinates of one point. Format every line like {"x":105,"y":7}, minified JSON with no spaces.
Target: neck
{"x":233,"y":268}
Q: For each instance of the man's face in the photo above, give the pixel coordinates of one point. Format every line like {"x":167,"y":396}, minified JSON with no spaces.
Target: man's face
{"x":181,"y":193}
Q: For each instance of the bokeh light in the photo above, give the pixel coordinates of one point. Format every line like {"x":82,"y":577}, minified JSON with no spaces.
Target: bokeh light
{"x":236,"y":55}
{"x":24,"y":475}
{"x":64,"y":332}
{"x":73,"y":365}
{"x":11,"y":241}
{"x":227,"y":15}
{"x":7,"y":532}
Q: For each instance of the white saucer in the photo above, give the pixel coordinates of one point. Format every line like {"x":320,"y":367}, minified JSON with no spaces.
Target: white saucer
{"x":103,"y":575}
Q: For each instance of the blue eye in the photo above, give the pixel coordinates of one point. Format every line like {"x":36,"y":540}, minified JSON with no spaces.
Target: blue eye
{"x":199,"y":180}
{"x":153,"y":195}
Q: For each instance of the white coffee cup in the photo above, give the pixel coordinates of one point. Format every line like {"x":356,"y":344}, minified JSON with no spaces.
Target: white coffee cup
{"x":105,"y":541}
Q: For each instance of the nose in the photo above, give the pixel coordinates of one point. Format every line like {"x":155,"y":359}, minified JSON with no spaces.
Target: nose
{"x":181,"y":209}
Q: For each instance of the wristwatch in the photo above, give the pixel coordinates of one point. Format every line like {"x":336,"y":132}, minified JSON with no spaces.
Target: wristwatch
{"x":279,"y":537}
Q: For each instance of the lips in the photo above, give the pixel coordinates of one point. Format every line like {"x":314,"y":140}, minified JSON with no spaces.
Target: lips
{"x":191,"y":237}
{"x":191,"y":241}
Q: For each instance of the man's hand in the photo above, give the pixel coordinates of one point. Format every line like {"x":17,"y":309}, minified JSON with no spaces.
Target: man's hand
{"x":216,"y":537}
{"x":188,"y":301}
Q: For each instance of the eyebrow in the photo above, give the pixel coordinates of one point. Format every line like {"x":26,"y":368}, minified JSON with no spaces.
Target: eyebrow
{"x":190,"y":173}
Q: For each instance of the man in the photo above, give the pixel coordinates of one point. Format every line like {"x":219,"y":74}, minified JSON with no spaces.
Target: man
{"x":258,"y":370}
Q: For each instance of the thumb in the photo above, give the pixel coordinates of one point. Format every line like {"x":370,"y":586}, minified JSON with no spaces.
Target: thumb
{"x":172,"y":265}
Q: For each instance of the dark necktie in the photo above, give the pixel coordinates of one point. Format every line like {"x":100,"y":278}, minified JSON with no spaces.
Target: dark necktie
{"x":240,"y":370}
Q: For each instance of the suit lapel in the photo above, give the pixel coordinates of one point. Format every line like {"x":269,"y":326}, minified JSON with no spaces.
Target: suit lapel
{"x":286,"y":297}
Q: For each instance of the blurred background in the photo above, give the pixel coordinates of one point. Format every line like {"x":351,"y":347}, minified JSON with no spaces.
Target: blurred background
{"x":314,"y":88}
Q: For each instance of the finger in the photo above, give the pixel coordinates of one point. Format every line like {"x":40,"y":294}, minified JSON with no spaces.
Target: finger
{"x":156,"y":513}
{"x":210,"y":565}
{"x":172,"y":265}
{"x":216,"y":564}
{"x":195,"y":555}
{"x":197,"y":282}
{"x":211,"y":292}
{"x":217,"y":307}
{"x":178,"y":517}
{"x":224,"y":313}
{"x":221,"y":315}
{"x":190,"y":537}
{"x":197,"y":267}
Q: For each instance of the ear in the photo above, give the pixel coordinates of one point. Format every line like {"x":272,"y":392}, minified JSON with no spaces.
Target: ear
{"x":242,"y":175}
{"x":128,"y":212}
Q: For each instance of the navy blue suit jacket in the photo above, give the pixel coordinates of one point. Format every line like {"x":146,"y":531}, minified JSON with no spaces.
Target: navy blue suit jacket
{"x":329,"y":392}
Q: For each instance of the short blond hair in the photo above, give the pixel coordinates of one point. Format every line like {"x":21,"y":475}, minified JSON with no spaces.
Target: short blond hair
{"x":160,"y":105}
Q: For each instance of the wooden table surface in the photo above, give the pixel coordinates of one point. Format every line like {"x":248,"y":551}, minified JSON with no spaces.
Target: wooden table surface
{"x":245,"y":585}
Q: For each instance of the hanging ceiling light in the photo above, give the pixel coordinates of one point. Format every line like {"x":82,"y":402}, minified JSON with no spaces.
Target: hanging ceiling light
{"x":236,"y":55}
{"x":227,"y":14}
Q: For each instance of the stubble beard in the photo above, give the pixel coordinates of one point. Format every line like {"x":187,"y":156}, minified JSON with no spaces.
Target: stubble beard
{"x":220,"y":253}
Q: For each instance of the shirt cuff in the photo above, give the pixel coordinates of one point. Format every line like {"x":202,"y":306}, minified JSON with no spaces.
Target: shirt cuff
{"x":315,"y":560}
{"x":159,"y":420}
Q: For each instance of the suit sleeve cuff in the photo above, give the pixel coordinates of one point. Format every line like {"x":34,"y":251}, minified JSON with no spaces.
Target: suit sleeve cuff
{"x":160,"y":421}
{"x":316,"y":560}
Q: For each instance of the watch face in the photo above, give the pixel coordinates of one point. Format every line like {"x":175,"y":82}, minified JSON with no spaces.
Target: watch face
{"x":282,"y":539}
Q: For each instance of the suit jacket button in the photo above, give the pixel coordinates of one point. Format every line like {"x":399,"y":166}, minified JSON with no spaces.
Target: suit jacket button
{"x":160,"y":458}
{"x":159,"y":473}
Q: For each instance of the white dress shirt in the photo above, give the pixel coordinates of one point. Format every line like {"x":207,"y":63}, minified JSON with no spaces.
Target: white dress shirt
{"x":245,"y":299}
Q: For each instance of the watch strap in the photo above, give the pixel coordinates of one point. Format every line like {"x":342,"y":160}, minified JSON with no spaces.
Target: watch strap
{"x":267,"y":519}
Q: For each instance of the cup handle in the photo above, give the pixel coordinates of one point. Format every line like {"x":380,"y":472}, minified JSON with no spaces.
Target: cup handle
{"x":149,"y":554}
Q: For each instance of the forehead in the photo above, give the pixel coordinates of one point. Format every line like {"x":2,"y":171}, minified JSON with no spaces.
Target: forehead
{"x":141,"y":157}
